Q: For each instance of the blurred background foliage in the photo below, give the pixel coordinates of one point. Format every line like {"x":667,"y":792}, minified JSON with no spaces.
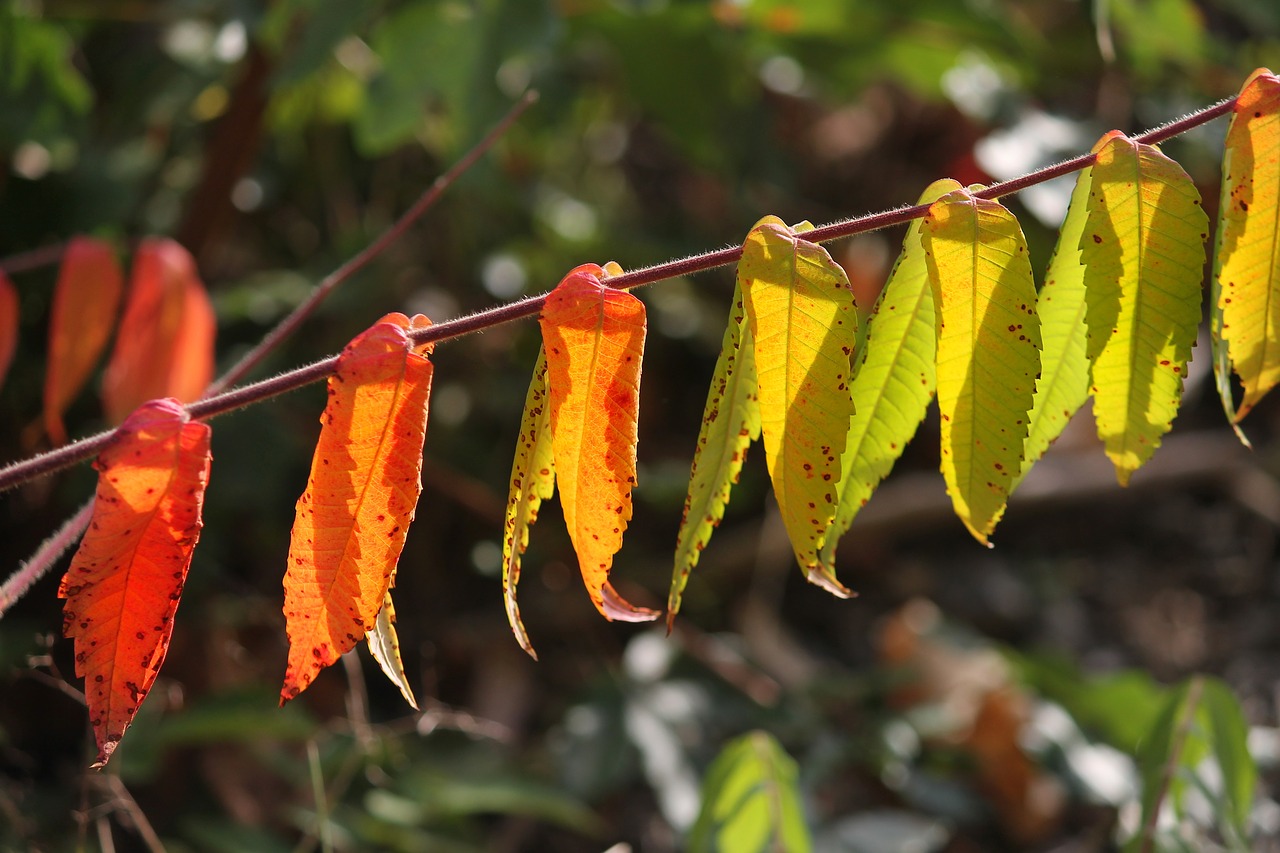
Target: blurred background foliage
{"x":969,"y":700}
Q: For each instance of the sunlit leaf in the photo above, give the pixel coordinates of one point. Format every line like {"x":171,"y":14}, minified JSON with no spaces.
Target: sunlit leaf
{"x":1063,"y":386}
{"x":85,"y":302}
{"x":533,"y":480}
{"x":361,"y":495}
{"x":804,"y":329}
{"x":988,"y":350}
{"x":593,"y":337}
{"x":1143,"y":249}
{"x":730,"y":422}
{"x":384,"y":645}
{"x":1245,"y":306}
{"x":750,"y":801}
{"x":124,"y":583}
{"x":894,"y":380}
{"x":164,"y":345}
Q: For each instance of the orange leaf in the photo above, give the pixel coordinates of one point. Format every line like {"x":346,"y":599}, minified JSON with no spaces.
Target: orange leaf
{"x":164,"y":347}
{"x":593,"y":337}
{"x":124,"y":582}
{"x":8,"y":324}
{"x":364,"y":485}
{"x":85,"y":301}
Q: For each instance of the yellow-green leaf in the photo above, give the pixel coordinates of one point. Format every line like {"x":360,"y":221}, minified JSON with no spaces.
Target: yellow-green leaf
{"x":988,"y":350}
{"x":384,"y":644}
{"x":533,"y":480}
{"x":1246,"y":277}
{"x":894,"y":381}
{"x":1063,"y":385}
{"x":730,"y":422}
{"x":1143,"y":250}
{"x":751,"y":801}
{"x":804,"y":329}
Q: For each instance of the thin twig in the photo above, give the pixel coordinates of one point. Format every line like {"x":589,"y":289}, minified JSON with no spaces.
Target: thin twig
{"x":33,"y":259}
{"x":45,"y":556}
{"x":290,"y":324}
{"x":127,"y":805}
{"x":71,"y":454}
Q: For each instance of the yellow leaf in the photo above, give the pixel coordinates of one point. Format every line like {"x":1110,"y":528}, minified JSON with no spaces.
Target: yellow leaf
{"x":1246,"y":280}
{"x":593,"y":337}
{"x":894,"y":381}
{"x":730,"y":422}
{"x":384,"y":645}
{"x":1143,"y":249}
{"x":804,"y":328}
{"x":533,"y":480}
{"x":988,"y":350}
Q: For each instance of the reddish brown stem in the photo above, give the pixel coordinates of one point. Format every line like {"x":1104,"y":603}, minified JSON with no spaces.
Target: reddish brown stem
{"x":19,"y":472}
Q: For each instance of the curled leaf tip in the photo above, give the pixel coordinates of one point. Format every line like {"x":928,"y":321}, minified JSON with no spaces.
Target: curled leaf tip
{"x":618,"y":609}
{"x":823,"y":576}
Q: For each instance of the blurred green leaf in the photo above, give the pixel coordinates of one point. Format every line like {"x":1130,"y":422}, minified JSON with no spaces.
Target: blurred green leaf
{"x":750,"y":801}
{"x":1230,"y":737}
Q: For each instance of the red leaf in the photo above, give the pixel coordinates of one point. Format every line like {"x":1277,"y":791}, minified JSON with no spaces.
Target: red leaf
{"x":364,"y":485}
{"x":164,"y":347}
{"x":8,"y":325}
{"x":126,"y":578}
{"x":85,"y":301}
{"x":593,"y":337}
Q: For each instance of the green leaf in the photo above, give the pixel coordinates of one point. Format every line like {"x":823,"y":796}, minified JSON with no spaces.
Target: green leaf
{"x":894,"y":381}
{"x":988,"y":350}
{"x":1230,"y":737}
{"x":1063,"y":386}
{"x":750,"y":801}
{"x":730,"y":422}
{"x":1143,"y":249}
{"x":804,"y":329}
{"x":533,"y":480}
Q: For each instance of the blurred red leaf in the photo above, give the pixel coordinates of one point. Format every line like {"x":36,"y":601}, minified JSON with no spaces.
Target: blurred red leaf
{"x":164,"y":346}
{"x":86,"y":300}
{"x":124,"y":583}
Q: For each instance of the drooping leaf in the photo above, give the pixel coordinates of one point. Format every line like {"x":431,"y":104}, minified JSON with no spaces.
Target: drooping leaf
{"x":894,"y":380}
{"x":85,"y":302}
{"x":750,"y":801}
{"x":384,"y":645}
{"x":730,"y":422}
{"x":8,"y":325}
{"x":533,"y":480}
{"x":1245,"y":307}
{"x":361,"y":495}
{"x":164,"y":346}
{"x":593,"y":337}
{"x":804,"y":329}
{"x":1143,"y":249}
{"x":124,"y":583}
{"x":1063,"y":386}
{"x":988,"y":350}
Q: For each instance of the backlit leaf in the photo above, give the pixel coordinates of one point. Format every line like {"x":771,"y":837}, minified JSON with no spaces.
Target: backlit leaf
{"x":593,"y":336}
{"x":804,"y":329}
{"x":1143,"y":249}
{"x":8,"y":325}
{"x":124,"y":583}
{"x":894,"y":381}
{"x":533,"y":480}
{"x":730,"y":422}
{"x":384,"y":645}
{"x":1063,"y":386}
{"x":988,"y":350}
{"x":1245,"y":307}
{"x":85,"y":302}
{"x":164,"y":346}
{"x":750,"y":801}
{"x":365,"y":481}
